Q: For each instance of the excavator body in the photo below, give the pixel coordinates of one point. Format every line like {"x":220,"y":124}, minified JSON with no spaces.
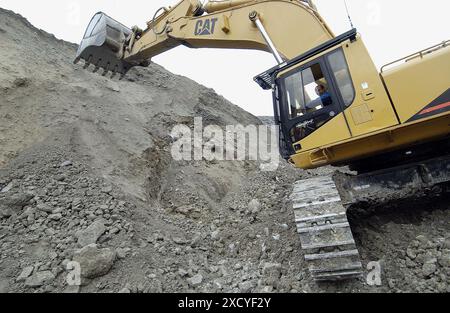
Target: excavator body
{"x":331,"y":104}
{"x":362,"y":113}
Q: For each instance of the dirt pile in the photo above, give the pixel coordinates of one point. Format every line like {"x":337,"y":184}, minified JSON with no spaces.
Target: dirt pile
{"x":86,"y":175}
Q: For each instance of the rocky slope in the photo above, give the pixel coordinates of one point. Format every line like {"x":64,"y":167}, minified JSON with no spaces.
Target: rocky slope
{"x":86,"y":175}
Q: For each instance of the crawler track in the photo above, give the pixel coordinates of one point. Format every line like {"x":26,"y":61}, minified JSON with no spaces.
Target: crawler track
{"x":325,"y":233}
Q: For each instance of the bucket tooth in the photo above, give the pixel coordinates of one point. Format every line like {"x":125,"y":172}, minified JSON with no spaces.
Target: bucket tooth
{"x":106,"y":69}
{"x":88,"y":62}
{"x":114,"y":71}
{"x":77,"y":60}
{"x":97,"y":66}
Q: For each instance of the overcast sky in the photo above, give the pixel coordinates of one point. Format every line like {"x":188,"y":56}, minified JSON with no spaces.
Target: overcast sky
{"x":391,"y":30}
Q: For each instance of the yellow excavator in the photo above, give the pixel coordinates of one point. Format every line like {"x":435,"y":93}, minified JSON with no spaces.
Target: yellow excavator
{"x":331,"y":104}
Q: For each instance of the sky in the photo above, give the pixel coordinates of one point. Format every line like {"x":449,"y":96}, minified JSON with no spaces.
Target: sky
{"x":390,"y":29}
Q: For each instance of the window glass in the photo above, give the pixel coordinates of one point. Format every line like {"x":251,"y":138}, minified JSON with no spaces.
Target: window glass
{"x":307,"y":91}
{"x":91,"y":26}
{"x":342,"y":76}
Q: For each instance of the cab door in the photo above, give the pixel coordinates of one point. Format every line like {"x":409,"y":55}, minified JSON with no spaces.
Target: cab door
{"x":311,"y":106}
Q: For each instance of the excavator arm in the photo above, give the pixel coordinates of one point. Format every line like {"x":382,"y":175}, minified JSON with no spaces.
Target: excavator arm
{"x":286,"y":28}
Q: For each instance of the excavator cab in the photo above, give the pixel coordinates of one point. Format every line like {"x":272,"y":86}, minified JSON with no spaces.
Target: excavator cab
{"x":310,"y":91}
{"x":103,"y":43}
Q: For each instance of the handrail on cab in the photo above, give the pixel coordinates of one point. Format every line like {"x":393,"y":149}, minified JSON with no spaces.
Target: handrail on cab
{"x":421,"y":54}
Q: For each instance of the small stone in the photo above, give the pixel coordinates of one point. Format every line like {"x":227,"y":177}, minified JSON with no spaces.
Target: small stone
{"x":45,"y":208}
{"x":272,"y":269}
{"x":61,"y":178}
{"x":66,"y":163}
{"x":55,"y":217}
{"x":254,"y":206}
{"x":91,"y":234}
{"x":107,"y":189}
{"x":246,"y":287}
{"x":53,"y":255}
{"x":182,"y":272}
{"x":122,"y":253}
{"x":39,"y":279}
{"x":125,"y":290}
{"x":195,"y":280}
{"x":411,"y":253}
{"x":428,"y":269}
{"x":7,"y":188}
{"x":179,"y":240}
{"x":26,"y":272}
{"x":422,"y":239}
{"x":215,"y":235}
{"x":57,"y":211}
{"x":50,"y":232}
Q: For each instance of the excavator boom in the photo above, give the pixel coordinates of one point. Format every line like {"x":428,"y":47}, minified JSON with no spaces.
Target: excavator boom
{"x":232,"y":24}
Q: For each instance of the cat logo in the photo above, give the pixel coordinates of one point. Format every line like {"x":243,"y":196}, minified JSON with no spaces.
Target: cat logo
{"x":205,"y":27}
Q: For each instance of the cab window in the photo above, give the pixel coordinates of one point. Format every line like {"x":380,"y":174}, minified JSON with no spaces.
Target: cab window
{"x":307,"y":91}
{"x":341,"y":74}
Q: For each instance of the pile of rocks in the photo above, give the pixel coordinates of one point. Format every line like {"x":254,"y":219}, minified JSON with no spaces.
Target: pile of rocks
{"x":52,"y":214}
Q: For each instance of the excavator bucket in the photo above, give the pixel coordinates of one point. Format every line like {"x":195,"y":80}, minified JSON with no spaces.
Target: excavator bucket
{"x":102,"y":45}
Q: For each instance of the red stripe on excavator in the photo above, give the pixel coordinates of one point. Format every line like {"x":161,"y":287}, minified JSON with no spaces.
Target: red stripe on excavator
{"x":435,"y":108}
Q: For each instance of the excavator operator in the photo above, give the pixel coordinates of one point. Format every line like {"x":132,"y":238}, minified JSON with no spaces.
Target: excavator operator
{"x":324,"y":95}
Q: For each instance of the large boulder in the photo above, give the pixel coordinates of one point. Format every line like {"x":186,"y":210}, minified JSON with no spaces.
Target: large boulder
{"x":94,"y":262}
{"x":13,"y":203}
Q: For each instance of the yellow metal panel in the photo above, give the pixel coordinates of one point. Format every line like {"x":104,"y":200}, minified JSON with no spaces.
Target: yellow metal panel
{"x":383,"y":141}
{"x":361,"y":114}
{"x":333,"y":131}
{"x":417,"y":82}
{"x":371,"y":96}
